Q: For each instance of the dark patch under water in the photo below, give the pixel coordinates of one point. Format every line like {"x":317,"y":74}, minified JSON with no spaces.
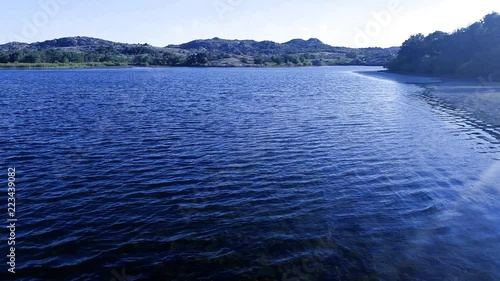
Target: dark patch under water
{"x":246,"y":174}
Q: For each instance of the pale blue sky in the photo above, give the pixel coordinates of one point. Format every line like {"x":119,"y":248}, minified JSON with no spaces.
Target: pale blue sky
{"x":160,"y":22}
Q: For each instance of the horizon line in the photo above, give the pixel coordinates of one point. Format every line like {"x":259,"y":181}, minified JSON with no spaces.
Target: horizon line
{"x":199,"y":39}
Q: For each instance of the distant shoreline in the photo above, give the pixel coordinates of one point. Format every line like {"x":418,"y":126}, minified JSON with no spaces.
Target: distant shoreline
{"x":82,"y":51}
{"x":25,"y":66}
{"x":32,"y":66}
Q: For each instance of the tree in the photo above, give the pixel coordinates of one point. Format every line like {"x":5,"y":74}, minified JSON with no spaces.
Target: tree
{"x":352,"y":55}
{"x":91,"y":57}
{"x":277,"y":59}
{"x":142,"y":60}
{"x":16,"y":56}
{"x":4,"y":58}
{"x":74,"y":57}
{"x":318,"y":62}
{"x":472,"y":51}
{"x":190,"y":60}
{"x":171,"y":59}
{"x":54,"y":56}
{"x":259,"y":60}
{"x":414,"y":48}
{"x":31,"y":58}
{"x":434,"y":43}
{"x":291,"y":59}
{"x":202,"y":58}
{"x":196,"y":59}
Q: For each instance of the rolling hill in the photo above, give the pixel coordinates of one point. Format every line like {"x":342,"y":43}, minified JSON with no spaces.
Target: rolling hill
{"x":209,"y":52}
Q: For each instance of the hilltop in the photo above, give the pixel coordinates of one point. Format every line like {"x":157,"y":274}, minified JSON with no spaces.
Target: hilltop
{"x":208,"y":52}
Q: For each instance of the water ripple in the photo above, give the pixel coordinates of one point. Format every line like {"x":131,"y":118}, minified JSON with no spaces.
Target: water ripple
{"x":247,"y":174}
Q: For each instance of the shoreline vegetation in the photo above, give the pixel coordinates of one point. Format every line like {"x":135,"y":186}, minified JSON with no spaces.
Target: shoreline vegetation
{"x":471,"y":52}
{"x":41,"y":66}
{"x":26,"y":66}
{"x":58,"y":65}
{"x":216,"y":52}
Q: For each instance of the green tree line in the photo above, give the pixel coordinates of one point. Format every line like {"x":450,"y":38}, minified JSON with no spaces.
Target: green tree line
{"x":473,"y":51}
{"x":146,"y":57}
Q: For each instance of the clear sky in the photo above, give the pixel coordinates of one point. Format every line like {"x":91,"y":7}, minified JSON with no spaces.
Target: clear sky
{"x":352,"y":23}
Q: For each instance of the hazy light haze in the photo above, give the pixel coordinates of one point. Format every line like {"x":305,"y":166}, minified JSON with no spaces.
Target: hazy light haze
{"x":336,"y":22}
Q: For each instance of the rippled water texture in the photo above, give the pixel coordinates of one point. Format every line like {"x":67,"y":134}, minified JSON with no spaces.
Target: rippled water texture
{"x":246,"y":174}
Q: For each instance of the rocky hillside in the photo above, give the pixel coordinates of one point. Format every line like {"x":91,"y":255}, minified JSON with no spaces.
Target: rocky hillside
{"x":251,"y":47}
{"x":210,"y":52}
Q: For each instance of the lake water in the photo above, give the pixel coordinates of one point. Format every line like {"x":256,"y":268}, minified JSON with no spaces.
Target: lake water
{"x":245,"y":174}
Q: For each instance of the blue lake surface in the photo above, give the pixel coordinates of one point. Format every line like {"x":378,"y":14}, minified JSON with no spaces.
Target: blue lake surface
{"x":245,"y":174}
